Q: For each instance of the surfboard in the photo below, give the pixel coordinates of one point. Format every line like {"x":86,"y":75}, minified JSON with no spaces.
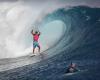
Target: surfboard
{"x":69,"y":74}
{"x":32,"y":55}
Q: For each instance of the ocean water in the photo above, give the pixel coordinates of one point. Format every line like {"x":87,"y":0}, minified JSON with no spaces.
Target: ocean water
{"x":80,"y":43}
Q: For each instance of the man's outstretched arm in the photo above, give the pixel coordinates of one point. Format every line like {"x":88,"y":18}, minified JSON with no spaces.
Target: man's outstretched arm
{"x":32,"y":32}
{"x":39,"y":33}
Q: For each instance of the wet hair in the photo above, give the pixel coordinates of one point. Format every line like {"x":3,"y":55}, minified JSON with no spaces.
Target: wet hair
{"x":73,"y":63}
{"x":36,"y":32}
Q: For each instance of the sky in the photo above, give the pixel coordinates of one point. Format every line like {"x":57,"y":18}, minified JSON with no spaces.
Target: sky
{"x":18,"y":16}
{"x":70,"y":2}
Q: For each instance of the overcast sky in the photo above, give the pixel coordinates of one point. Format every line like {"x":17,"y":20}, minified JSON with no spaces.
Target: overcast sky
{"x":70,"y":2}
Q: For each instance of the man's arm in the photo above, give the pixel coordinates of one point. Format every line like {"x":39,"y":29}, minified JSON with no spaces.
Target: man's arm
{"x":39,"y":33}
{"x":32,"y":32}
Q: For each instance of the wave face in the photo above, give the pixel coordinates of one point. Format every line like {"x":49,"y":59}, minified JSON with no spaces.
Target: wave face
{"x":82,"y":31}
{"x":80,"y":43}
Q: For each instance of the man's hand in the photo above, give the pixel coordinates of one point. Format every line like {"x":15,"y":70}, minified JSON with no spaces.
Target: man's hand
{"x":32,"y":31}
{"x":39,"y":33}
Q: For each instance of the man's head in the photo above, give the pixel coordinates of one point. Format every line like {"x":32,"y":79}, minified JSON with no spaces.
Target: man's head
{"x":73,"y":64}
{"x":36,"y":32}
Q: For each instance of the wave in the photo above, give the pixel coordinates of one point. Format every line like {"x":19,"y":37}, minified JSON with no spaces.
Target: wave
{"x":82,"y":31}
{"x":79,"y":43}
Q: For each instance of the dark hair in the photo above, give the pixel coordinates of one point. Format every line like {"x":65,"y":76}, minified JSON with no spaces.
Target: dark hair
{"x":73,"y":63}
{"x":36,"y":32}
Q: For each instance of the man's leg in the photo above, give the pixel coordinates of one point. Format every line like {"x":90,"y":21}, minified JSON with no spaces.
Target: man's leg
{"x":37,"y":45}
{"x":34,"y":46}
{"x":39,"y":48}
{"x":33,"y":50}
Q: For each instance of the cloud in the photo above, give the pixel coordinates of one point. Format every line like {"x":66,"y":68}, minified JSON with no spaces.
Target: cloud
{"x":8,"y":0}
{"x":92,"y":3}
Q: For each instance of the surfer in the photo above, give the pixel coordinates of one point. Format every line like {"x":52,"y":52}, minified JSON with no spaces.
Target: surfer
{"x":72,"y":68}
{"x":36,"y":35}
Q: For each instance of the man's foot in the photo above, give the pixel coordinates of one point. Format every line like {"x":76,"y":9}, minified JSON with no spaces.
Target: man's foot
{"x":32,"y":55}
